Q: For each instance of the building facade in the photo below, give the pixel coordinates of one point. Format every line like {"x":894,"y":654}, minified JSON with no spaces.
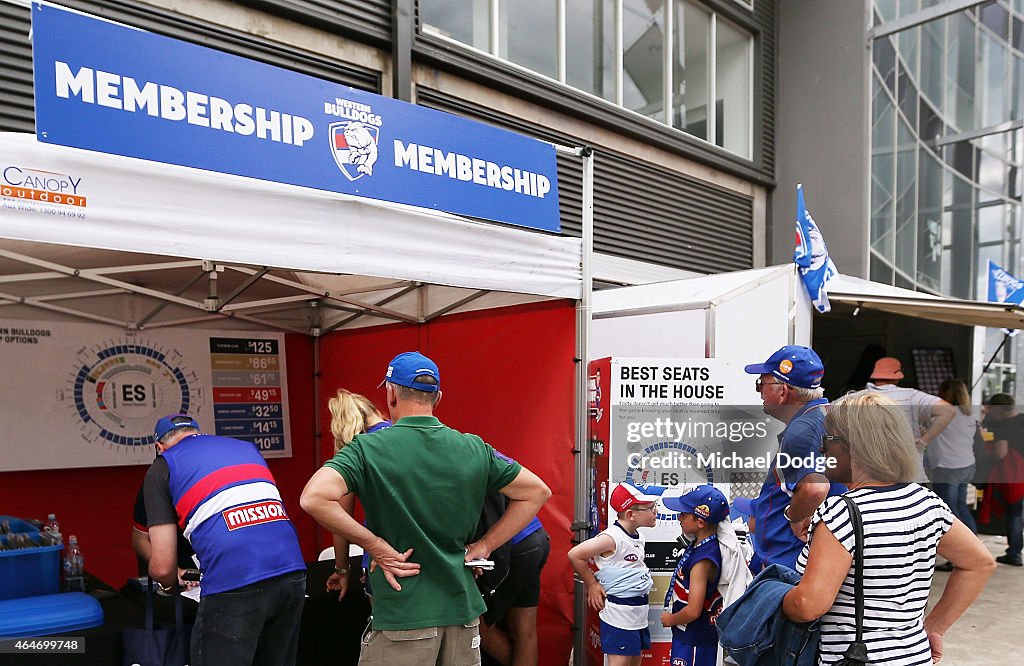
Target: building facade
{"x":903,"y":120}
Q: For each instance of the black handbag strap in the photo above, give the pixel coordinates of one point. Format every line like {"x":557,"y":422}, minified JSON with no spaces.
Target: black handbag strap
{"x":857,"y":651}
{"x":179,"y":617}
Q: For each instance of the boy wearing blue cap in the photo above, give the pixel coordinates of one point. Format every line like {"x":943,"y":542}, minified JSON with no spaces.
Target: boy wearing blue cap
{"x":693,"y":602}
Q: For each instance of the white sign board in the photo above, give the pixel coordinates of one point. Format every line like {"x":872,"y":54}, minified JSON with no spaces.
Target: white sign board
{"x":88,"y":395}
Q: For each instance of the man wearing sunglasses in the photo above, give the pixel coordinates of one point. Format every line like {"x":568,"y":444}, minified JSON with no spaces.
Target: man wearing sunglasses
{"x":789,"y":383}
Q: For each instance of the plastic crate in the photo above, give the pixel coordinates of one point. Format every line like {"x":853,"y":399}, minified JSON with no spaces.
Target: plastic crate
{"x":28,"y":572}
{"x":48,"y":615}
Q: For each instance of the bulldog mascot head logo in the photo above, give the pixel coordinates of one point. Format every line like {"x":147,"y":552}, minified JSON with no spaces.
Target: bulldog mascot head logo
{"x":354,"y":146}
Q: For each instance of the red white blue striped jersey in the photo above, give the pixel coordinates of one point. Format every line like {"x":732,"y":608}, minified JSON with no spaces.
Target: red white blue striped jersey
{"x":228,"y":506}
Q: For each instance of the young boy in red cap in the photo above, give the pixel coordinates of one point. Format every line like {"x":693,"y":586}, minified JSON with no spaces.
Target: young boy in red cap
{"x":619,"y":589}
{"x":693,"y":601}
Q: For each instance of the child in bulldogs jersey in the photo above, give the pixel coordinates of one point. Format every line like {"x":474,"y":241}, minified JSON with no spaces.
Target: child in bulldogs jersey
{"x":693,"y":602}
{"x":620,"y":588}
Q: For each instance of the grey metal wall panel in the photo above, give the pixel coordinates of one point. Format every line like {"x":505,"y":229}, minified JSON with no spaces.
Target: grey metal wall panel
{"x":355,"y":18}
{"x":765,"y":60}
{"x":641,"y":211}
{"x":17,"y":108}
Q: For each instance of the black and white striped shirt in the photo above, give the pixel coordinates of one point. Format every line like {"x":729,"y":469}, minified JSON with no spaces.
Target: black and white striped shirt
{"x":902,"y":527}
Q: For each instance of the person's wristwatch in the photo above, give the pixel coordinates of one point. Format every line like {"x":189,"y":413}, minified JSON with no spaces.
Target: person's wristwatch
{"x":341,"y":571}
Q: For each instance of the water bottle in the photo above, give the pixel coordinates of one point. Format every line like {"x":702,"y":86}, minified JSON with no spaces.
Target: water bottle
{"x":74,"y":567}
{"x":51,"y":528}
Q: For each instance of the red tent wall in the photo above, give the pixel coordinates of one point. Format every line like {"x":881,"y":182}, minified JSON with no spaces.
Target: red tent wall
{"x":96,"y":503}
{"x":507,"y":375}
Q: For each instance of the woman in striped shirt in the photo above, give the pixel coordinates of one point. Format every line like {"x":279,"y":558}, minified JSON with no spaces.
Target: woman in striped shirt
{"x":904,"y":526}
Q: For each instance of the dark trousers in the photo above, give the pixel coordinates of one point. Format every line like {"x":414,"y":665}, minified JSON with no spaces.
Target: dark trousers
{"x":1014,"y":530}
{"x":951,"y":487}
{"x":256,"y":624}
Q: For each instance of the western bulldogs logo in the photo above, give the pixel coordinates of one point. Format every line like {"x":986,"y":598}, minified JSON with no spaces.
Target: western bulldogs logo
{"x":354,"y":146}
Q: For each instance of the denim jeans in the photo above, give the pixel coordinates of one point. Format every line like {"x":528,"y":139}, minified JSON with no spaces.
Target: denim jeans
{"x":1014,"y":530}
{"x":256,"y":624}
{"x":951,"y":486}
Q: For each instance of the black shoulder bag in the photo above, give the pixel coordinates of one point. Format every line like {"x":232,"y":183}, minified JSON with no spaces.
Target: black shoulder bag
{"x":857,"y":653}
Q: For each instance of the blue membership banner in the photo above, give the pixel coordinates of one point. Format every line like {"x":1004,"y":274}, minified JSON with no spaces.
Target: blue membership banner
{"x":115,"y":89}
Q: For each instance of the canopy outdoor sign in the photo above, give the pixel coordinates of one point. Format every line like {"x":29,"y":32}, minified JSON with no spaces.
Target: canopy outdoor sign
{"x":116,"y":89}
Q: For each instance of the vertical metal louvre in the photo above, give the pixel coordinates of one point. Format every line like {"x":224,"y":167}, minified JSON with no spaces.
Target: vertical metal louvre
{"x":641,"y":211}
{"x":764,"y":77}
{"x":17,"y":105}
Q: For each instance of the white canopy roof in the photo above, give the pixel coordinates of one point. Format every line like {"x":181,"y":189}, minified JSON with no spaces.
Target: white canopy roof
{"x":701,"y":292}
{"x":153,"y":232}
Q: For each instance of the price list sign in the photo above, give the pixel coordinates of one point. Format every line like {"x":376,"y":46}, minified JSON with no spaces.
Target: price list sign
{"x":249,"y":400}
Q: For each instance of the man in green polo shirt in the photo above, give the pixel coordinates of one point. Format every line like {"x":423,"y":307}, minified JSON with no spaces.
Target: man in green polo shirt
{"x":422,"y":486}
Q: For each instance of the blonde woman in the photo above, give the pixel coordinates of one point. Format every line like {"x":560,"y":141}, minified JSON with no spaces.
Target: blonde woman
{"x":951,"y":455}
{"x":351,"y":414}
{"x":869,"y":440}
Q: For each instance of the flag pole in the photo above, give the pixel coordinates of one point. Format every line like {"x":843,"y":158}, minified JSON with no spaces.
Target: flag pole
{"x":1006,"y":336}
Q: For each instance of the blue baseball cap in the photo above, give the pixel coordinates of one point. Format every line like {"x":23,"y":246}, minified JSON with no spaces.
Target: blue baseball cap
{"x":172,"y":421}
{"x":407,"y":366}
{"x":706,"y":502}
{"x":794,"y":364}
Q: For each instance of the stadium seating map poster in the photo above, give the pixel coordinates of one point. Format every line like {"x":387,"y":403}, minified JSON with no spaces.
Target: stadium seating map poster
{"x":88,"y":395}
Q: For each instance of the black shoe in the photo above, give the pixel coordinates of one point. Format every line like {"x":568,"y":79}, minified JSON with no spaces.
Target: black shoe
{"x":946,"y":566}
{"x":1006,"y":559}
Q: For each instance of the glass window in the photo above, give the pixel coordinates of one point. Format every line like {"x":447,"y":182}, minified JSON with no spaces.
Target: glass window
{"x":880,"y":270}
{"x":907,"y":7}
{"x":590,"y":46}
{"x":907,"y":96}
{"x":468,"y":21}
{"x":906,"y":199}
{"x":883,"y":174}
{"x":932,"y":60}
{"x":732,"y":86}
{"x":929,"y":221}
{"x":993,"y":67}
{"x":655,"y":61}
{"x":991,"y":223}
{"x":528,"y":34}
{"x":887,"y":9}
{"x":995,"y":18}
{"x":690,"y":68}
{"x":643,"y":57}
{"x":884,"y":56}
{"x":1017,"y":89}
{"x":960,"y":71}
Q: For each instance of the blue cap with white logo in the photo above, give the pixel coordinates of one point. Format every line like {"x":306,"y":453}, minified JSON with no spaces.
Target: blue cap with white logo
{"x":172,"y":422}
{"x":405,"y":368}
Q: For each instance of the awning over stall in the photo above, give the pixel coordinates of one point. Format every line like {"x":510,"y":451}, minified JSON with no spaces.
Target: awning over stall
{"x":859,"y":293}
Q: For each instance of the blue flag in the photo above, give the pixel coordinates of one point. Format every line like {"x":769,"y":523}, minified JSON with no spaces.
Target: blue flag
{"x":811,"y":256}
{"x":1003,"y":287}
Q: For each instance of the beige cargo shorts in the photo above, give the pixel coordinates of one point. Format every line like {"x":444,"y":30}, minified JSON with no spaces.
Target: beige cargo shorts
{"x":454,"y":645}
